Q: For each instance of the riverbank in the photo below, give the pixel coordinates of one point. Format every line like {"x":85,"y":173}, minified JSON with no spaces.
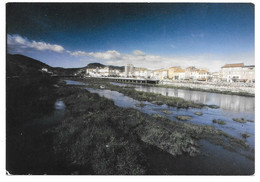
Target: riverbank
{"x":135,"y":127}
{"x":142,"y":96}
{"x":27,"y":147}
{"x":221,"y":88}
{"x":87,"y":140}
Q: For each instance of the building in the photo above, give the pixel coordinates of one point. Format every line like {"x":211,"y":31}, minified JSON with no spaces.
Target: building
{"x":248,"y":73}
{"x":237,"y":72}
{"x":129,"y":70}
{"x":171,"y":71}
{"x":215,"y":77}
{"x":159,"y":74}
{"x":203,"y":75}
{"x":179,"y":74}
{"x":141,"y":72}
{"x":191,"y":73}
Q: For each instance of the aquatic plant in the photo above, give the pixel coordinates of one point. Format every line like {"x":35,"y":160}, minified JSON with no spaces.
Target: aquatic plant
{"x":218,"y":121}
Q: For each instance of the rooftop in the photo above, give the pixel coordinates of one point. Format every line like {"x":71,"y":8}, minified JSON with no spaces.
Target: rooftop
{"x":233,"y":65}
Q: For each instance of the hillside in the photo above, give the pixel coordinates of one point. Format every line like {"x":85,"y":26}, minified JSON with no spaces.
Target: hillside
{"x":20,"y":65}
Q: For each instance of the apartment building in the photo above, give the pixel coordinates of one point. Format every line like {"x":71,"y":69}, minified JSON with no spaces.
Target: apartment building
{"x":237,"y":72}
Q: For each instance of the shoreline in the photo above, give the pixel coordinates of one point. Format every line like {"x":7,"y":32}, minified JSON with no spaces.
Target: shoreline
{"x":246,"y":94}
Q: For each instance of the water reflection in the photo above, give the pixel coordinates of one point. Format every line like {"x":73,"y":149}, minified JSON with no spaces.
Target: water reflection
{"x":226,"y":102}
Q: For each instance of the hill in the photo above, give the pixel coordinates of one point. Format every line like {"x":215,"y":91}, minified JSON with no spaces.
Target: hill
{"x":20,"y":65}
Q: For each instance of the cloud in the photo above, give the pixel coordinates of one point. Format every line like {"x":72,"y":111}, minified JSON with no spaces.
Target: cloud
{"x":18,"y":43}
{"x":77,"y":53}
{"x":138,"y":53}
{"x":110,"y":54}
{"x":140,"y":59}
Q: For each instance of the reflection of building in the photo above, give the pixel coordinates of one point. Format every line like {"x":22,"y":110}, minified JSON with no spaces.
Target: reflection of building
{"x":237,"y":73}
{"x":129,"y":70}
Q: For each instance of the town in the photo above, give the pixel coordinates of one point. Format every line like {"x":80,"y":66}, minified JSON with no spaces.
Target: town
{"x":237,"y":72}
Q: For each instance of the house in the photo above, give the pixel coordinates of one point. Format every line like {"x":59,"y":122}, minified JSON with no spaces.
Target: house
{"x":237,"y":72}
{"x":171,"y":71}
{"x":203,"y":75}
{"x":179,"y":74}
{"x":141,"y":72}
{"x":160,"y":74}
{"x":191,"y":73}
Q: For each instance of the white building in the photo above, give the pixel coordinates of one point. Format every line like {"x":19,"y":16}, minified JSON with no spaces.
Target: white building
{"x":237,"y":72}
{"x":129,"y":70}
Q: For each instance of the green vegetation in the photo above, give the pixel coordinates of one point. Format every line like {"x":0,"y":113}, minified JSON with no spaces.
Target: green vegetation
{"x":140,"y":105}
{"x":239,"y":120}
{"x":218,"y":121}
{"x":183,"y":118}
{"x":166,"y":111}
{"x":198,"y":113}
{"x":142,"y":96}
{"x":213,"y":106}
{"x":245,"y":135}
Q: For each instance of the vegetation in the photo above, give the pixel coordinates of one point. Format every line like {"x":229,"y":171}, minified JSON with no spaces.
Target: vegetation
{"x":166,"y":111}
{"x":213,"y":106}
{"x":143,"y":96}
{"x":245,"y":135}
{"x":218,"y":121}
{"x":198,"y":113}
{"x":239,"y":120}
{"x":183,"y":118}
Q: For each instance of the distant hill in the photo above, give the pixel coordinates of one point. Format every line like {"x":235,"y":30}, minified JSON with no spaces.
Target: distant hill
{"x":98,"y":65}
{"x":95,"y":65}
{"x":20,"y":65}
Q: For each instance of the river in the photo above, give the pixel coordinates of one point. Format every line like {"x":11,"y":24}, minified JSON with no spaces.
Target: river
{"x":215,"y":159}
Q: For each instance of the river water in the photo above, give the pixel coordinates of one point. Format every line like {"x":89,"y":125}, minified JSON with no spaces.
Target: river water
{"x":215,"y":159}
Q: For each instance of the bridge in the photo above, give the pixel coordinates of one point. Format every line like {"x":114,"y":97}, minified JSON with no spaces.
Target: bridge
{"x":132,"y":80}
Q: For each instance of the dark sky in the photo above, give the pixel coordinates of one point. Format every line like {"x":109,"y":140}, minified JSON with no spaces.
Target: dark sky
{"x":169,"y":31}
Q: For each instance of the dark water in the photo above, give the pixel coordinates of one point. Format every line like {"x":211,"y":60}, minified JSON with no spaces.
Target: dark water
{"x":52,"y":118}
{"x":214,"y":159}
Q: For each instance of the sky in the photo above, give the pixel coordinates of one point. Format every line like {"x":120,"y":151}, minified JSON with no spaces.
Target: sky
{"x":151,"y":35}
